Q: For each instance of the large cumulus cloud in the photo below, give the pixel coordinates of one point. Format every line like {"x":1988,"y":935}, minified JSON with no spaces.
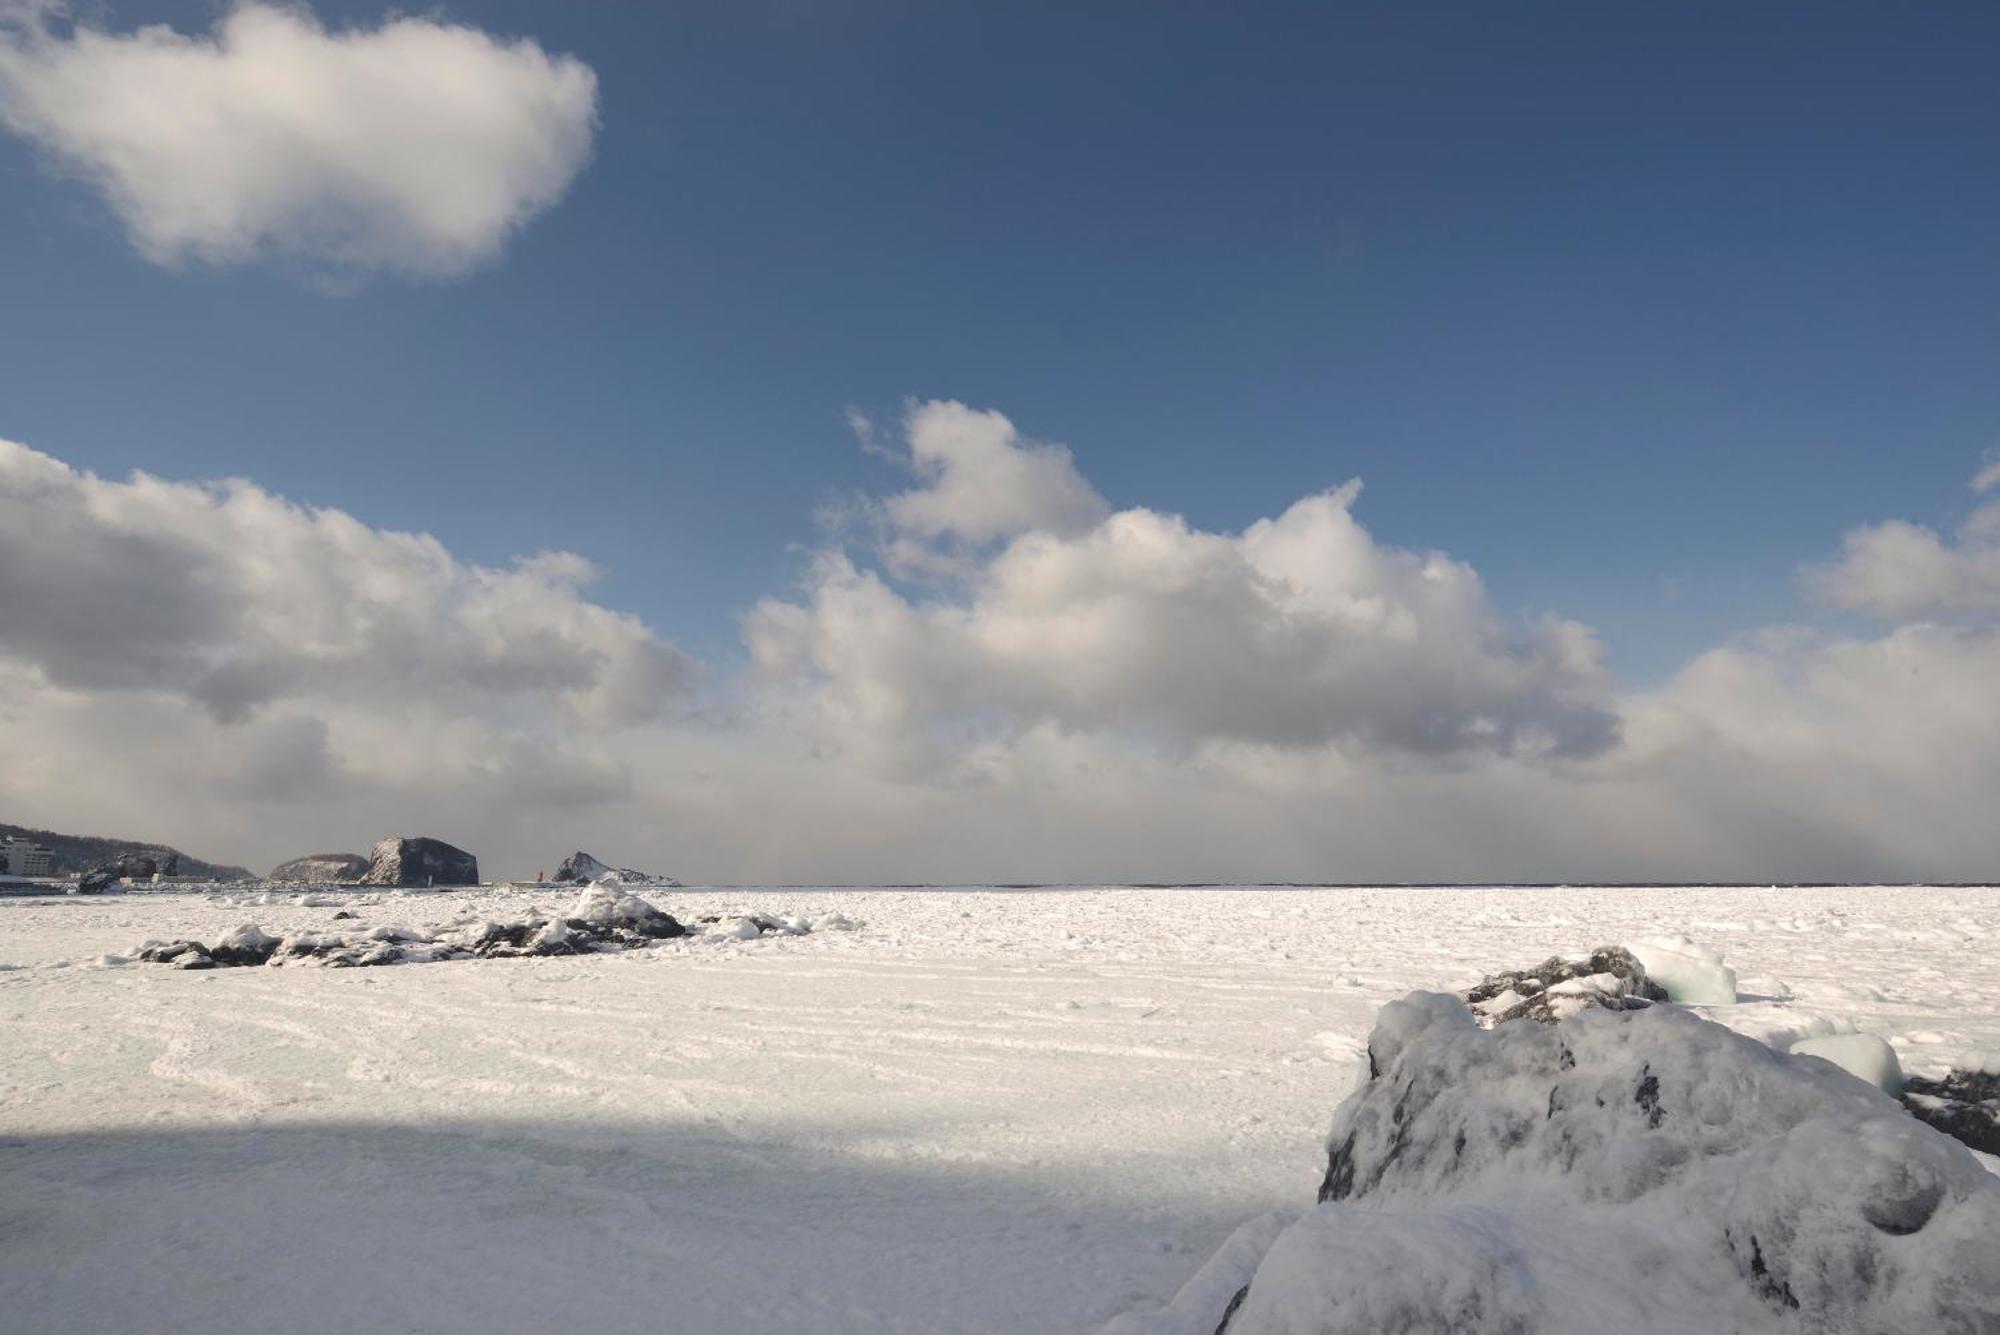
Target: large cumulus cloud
{"x":1299,"y":632}
{"x":416,"y":147}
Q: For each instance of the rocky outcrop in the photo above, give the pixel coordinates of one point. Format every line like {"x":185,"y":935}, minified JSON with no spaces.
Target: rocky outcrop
{"x":580,"y":868}
{"x":138,"y":867}
{"x":1612,"y":978}
{"x":322,"y":869}
{"x":419,"y":862}
{"x":1965,"y":1105}
{"x":245,"y":946}
{"x":1642,"y":1171}
{"x":603,"y":919}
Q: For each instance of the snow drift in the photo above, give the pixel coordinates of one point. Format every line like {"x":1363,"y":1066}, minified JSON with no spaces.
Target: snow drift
{"x":1643,"y":1171}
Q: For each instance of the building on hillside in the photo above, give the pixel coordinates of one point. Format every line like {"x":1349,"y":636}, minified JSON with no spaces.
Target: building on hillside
{"x":19,"y":857}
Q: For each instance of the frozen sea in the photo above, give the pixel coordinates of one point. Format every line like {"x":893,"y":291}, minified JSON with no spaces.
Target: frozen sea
{"x":979,"y":1110}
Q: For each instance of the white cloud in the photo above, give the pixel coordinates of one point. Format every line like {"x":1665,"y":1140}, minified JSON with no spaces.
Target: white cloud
{"x":1298,"y":632}
{"x":1134,"y":698}
{"x":1898,"y":570}
{"x":415,"y":148}
{"x":982,"y":480}
{"x":235,"y":599}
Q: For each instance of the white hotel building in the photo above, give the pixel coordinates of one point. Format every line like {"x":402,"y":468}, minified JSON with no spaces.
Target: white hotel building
{"x":18,"y":857}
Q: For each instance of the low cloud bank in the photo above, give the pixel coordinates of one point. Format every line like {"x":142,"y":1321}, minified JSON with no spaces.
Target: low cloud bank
{"x":990,"y":672}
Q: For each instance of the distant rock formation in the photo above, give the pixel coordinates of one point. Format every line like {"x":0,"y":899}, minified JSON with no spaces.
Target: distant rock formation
{"x":319,"y":868}
{"x":131,"y":867}
{"x":579,"y":868}
{"x":417,"y":862}
{"x":74,"y":853}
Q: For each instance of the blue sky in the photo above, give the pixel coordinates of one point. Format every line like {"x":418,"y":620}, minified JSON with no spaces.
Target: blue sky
{"x":1657,"y":319}
{"x":1634,"y":308}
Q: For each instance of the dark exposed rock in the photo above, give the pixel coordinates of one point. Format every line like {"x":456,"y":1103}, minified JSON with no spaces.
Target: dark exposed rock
{"x":1612,"y":978}
{"x":97,"y":881}
{"x":1229,"y":1312}
{"x":323,"y":868}
{"x":145,"y":866}
{"x":344,"y":915}
{"x":175,"y":952}
{"x":419,"y":862}
{"x":1965,"y":1105}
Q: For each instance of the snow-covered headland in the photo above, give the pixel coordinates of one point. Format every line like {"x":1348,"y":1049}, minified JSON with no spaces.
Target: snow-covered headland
{"x":977,"y":1111}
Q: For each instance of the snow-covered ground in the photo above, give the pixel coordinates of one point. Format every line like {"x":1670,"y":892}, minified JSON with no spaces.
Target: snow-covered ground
{"x":977,"y":1111}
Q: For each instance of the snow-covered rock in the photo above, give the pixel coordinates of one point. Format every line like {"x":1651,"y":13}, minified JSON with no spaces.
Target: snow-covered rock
{"x":608,"y":907}
{"x":1648,"y":1173}
{"x":1863,"y":1056}
{"x":420,"y":862}
{"x":248,"y":944}
{"x":1692,"y":974}
{"x":322,"y":868}
{"x":580,"y":868}
{"x":1555,"y":989}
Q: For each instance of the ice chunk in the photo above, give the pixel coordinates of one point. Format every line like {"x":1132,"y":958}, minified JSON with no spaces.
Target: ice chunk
{"x":1692,"y":974}
{"x":1863,"y":1056}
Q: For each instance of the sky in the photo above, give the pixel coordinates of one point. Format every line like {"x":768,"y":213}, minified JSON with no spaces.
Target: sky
{"x":947,"y":442}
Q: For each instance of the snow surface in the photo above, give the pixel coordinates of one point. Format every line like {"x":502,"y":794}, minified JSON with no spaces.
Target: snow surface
{"x":977,"y":1110}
